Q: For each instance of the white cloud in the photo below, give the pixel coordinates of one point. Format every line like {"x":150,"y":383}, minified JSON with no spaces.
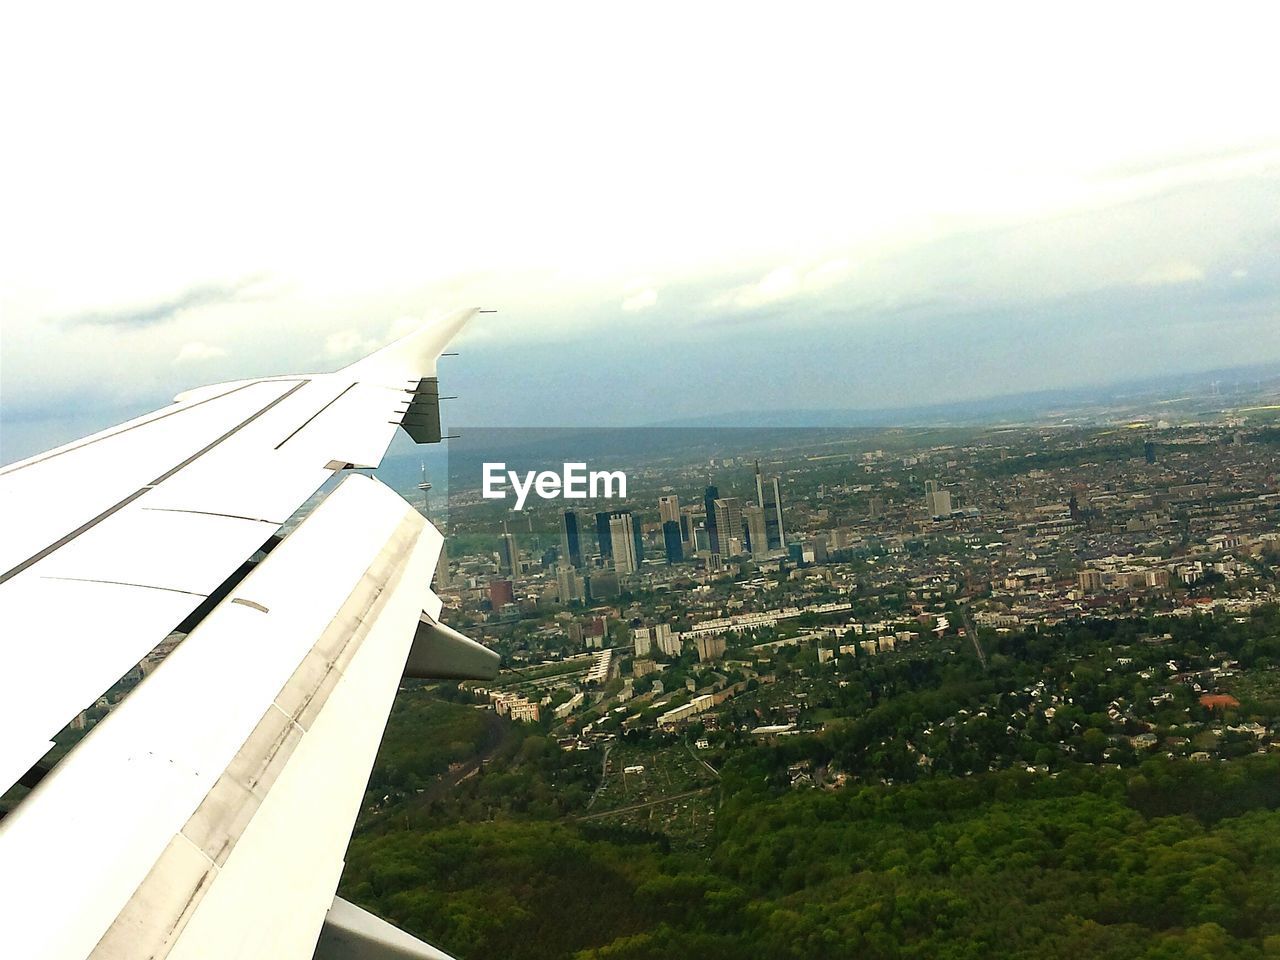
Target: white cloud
{"x":405,"y":225}
{"x":1168,"y":274}
{"x":197,"y":351}
{"x":349,"y":344}
{"x":640,"y":300}
{"x":785,"y":283}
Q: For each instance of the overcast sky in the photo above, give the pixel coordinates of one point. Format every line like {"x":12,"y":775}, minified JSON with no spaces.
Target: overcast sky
{"x":698,"y":202}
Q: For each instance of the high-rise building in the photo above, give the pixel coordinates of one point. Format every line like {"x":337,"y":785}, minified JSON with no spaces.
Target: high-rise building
{"x":568,"y":584}
{"x":671,"y":541}
{"x":728,"y":514}
{"x":709,"y":647}
{"x":637,"y":537}
{"x":669,"y":509}
{"x":937,"y":501}
{"x":690,"y":517}
{"x":757,"y":537}
{"x":603,"y":536}
{"x":622,"y":534}
{"x":709,"y":501}
{"x":666,"y":640}
{"x":769,"y":497}
{"x":570,"y":539}
{"x":641,"y":641}
{"x":501,"y":593}
{"x":773,"y":524}
{"x":508,"y":552}
{"x":1149,"y":451}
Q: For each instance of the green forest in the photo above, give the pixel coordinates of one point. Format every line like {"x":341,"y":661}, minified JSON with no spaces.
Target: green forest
{"x":1157,"y":857}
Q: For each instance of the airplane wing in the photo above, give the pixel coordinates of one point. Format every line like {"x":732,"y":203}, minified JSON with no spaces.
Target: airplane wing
{"x":207,"y":815}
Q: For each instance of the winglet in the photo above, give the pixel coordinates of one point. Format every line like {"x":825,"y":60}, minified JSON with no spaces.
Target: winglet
{"x":413,"y":356}
{"x":409,"y":364}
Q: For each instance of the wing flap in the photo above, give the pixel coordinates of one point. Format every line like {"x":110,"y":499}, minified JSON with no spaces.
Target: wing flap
{"x":225,"y":786}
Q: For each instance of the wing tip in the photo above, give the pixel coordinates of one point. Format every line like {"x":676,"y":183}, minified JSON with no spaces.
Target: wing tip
{"x":414,"y":355}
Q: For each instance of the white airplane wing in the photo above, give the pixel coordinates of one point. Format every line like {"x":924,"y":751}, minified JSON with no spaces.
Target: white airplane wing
{"x":208,"y":814}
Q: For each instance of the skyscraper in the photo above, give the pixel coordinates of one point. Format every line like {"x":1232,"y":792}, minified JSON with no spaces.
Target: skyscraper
{"x":757,"y":535}
{"x":637,"y":538}
{"x":671,"y":541}
{"x":769,"y":497}
{"x":773,"y":515}
{"x":669,"y":509}
{"x":508,"y":552}
{"x":603,"y":536}
{"x":622,"y":535}
{"x":728,"y":515}
{"x":570,"y":539}
{"x":709,"y":501}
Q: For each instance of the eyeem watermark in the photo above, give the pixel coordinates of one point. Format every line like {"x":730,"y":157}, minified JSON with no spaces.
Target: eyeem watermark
{"x":572,"y":483}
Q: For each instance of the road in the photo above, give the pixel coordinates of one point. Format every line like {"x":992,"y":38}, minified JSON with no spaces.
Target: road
{"x":714,"y":772}
{"x":604,"y":774}
{"x":647,"y":803}
{"x":973,"y":635}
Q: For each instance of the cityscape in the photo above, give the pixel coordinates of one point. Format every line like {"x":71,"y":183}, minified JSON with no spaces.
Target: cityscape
{"x":1044,"y":609}
{"x":602,"y":482}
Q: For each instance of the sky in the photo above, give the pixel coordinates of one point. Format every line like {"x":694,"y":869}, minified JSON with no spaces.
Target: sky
{"x":675,"y":209}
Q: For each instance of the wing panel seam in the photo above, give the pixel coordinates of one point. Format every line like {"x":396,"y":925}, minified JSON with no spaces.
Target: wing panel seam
{"x":297,"y":430}
{"x":90,"y":524}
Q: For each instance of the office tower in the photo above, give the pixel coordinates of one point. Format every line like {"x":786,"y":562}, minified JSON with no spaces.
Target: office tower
{"x":637,"y":537}
{"x":501,"y":593}
{"x":567,"y":583}
{"x":700,"y":538}
{"x":709,"y":501}
{"x":641,"y":641}
{"x":757,"y":537}
{"x":1149,"y":451}
{"x":570,"y":539}
{"x":671,"y":541}
{"x":603,"y":537}
{"x":769,"y":498}
{"x":669,"y":509}
{"x":508,"y":552}
{"x":775,"y":531}
{"x":728,"y":514}
{"x":937,"y":502}
{"x":622,"y":535}
{"x":690,"y":518}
